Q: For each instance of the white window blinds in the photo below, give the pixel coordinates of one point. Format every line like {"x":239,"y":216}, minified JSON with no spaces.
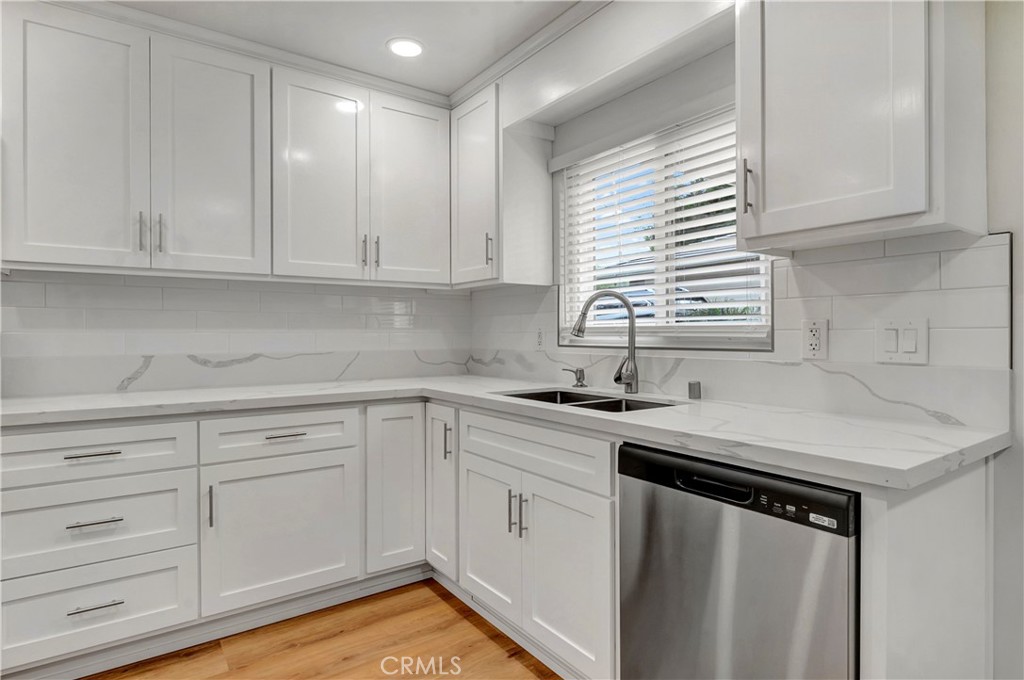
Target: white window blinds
{"x":656,"y":221}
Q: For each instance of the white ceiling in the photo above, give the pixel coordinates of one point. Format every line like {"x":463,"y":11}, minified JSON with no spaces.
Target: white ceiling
{"x":460,"y":39}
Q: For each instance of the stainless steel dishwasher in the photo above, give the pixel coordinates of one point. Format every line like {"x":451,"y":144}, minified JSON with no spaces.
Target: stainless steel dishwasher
{"x":730,"y":573}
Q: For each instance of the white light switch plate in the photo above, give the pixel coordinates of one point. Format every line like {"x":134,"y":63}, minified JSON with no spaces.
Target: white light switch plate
{"x":901,"y":341}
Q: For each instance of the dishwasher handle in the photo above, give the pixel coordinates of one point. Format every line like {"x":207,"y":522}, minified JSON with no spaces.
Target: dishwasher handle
{"x":715,"y":488}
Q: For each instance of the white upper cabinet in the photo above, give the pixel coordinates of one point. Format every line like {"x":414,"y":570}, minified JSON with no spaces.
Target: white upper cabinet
{"x":321,"y":169}
{"x":851,"y":121}
{"x":474,"y":187}
{"x":211,"y":159}
{"x":76,"y":138}
{"x":409,"y":221}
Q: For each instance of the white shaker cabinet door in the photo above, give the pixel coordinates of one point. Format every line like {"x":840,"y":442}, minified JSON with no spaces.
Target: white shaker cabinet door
{"x":474,"y":187}
{"x":395,"y":486}
{"x":321,"y":176}
{"x":490,"y":551}
{"x":442,"y":497}
{"x":409,"y":187}
{"x":832,"y":101}
{"x":76,"y":138}
{"x":211,"y":159}
{"x":568,"y":587}
{"x":263,"y":532}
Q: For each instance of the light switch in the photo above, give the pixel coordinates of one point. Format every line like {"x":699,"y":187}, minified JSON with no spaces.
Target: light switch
{"x":910,"y":340}
{"x":891,"y":341}
{"x":901,"y":341}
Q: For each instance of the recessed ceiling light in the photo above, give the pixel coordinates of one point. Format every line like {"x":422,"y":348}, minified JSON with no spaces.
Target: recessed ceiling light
{"x":405,"y":47}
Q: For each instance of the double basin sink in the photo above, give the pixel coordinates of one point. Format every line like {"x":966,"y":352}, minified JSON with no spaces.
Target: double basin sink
{"x":594,"y":402}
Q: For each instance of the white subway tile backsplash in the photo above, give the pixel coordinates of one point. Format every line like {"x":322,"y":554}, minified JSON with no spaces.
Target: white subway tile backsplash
{"x":975,"y":347}
{"x":351,"y":340}
{"x":325,"y":321}
{"x":851,"y":346}
{"x":780,"y":279}
{"x":278,"y":286}
{"x":975,"y":268}
{"x":882,"y":275}
{"x":102,"y":297}
{"x":176,"y":343}
{"x":374,"y":305}
{"x":967,"y":308}
{"x":211,"y":300}
{"x":41,"y":318}
{"x":848,"y":253}
{"x":170,"y":282}
{"x":266,"y":341}
{"x":139,"y":319}
{"x":790,"y":312}
{"x":272,"y":301}
{"x":18,"y":294}
{"x":240,"y":321}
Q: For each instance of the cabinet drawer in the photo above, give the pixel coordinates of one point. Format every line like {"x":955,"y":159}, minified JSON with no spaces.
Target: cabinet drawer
{"x":68,"y":525}
{"x":50,"y":457}
{"x":67,"y":611}
{"x":581,"y":461}
{"x":277,"y":434}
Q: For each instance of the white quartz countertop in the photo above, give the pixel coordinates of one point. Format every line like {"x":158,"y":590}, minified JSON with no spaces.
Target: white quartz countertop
{"x":891,"y":453}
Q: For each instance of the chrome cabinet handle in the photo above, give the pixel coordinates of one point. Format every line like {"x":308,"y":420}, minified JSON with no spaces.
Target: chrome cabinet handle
{"x":522,"y":520}
{"x":80,"y":456}
{"x":747,"y":205}
{"x":447,"y":445}
{"x":160,"y":233}
{"x":94,"y":523}
{"x":510,"y":522}
{"x":488,"y":247}
{"x":366,"y":240}
{"x":142,"y":226}
{"x":285,"y":435}
{"x":211,"y":506}
{"x":376,"y":252}
{"x":82,"y":610}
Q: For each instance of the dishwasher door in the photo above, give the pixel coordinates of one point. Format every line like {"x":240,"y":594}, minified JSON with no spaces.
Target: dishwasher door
{"x":725,"y":573}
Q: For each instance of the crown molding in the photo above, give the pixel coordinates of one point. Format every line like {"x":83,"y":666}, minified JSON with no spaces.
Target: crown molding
{"x":562,"y":24}
{"x":179,"y":29}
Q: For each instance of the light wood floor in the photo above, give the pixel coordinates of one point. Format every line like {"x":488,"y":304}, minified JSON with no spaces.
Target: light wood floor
{"x":350,"y":641}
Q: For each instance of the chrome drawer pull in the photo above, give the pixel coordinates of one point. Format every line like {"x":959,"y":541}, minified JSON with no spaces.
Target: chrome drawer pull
{"x":94,"y":523}
{"x":82,"y":610}
{"x":79,"y":456}
{"x":447,"y":445}
{"x":510,"y":522}
{"x":285,"y":435}
{"x":522,"y":520}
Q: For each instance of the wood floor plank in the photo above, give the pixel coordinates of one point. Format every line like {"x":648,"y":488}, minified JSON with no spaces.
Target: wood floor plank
{"x":422,"y":621}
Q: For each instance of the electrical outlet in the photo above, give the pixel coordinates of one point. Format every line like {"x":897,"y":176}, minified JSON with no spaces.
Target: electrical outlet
{"x":540,"y":338}
{"x":815,"y":339}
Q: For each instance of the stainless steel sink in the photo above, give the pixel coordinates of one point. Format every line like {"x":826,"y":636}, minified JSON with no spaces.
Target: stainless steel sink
{"x":621,"y":405}
{"x":558,"y":396}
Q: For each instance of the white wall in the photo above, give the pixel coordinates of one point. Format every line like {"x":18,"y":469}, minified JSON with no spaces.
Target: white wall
{"x":1005,"y":120}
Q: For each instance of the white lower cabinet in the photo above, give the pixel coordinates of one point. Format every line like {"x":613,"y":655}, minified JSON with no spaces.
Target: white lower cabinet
{"x":442,"y":496}
{"x":73,"y":609}
{"x":395,"y":528}
{"x":539,"y":553}
{"x":278,"y":526}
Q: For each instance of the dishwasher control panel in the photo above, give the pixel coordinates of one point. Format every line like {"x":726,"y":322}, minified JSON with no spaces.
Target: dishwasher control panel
{"x":799,"y":509}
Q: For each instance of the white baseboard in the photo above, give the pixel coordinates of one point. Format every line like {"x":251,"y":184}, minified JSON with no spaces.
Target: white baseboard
{"x":213,"y":628}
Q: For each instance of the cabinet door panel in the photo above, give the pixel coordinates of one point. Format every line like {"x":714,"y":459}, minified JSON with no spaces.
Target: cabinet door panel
{"x":76,"y":138}
{"x":267,"y":536}
{"x":409,"y":190}
{"x":567,"y":574}
{"x":395,"y":527}
{"x":490,"y":552}
{"x":211,"y":159}
{"x":832,"y":106}
{"x":321,"y":176}
{"x":442,"y":498}
{"x":474,"y":187}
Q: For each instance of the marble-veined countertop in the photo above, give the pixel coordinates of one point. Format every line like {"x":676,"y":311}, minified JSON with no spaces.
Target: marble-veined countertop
{"x":891,"y":453}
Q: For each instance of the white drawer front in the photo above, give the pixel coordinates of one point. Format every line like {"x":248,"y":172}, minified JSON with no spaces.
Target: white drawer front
{"x":67,"y":611}
{"x":581,"y":461}
{"x":52,"y":457}
{"x":68,"y":525}
{"x":230,"y":439}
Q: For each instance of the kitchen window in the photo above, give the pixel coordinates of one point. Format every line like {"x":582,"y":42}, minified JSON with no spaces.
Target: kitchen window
{"x":655,"y":220}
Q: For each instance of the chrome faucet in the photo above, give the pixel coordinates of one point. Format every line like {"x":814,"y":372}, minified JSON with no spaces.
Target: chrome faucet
{"x":627,"y":373}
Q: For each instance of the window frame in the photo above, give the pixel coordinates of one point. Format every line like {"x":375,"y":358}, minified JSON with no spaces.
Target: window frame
{"x":647,"y":337}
